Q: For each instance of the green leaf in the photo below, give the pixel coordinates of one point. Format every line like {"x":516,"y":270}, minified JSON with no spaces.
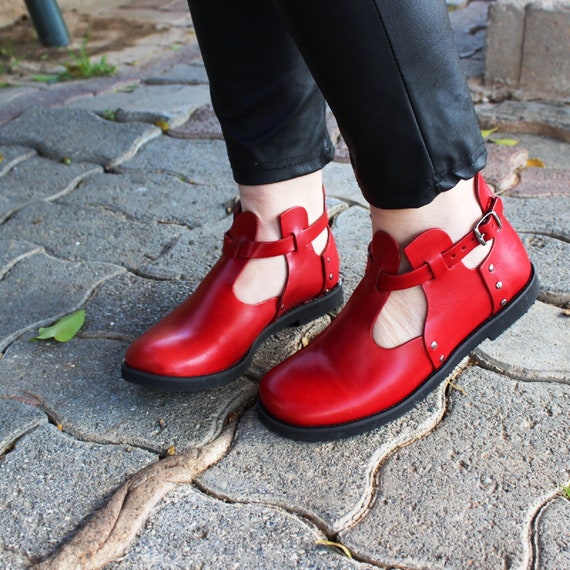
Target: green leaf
{"x":65,"y":329}
{"x":566,"y":491}
{"x":504,"y":142}
{"x":488,"y":132}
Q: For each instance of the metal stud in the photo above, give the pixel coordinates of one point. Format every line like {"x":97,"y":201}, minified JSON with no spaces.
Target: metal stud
{"x":499,"y":284}
{"x":328,"y":259}
{"x":433,"y":345}
{"x":503,"y":302}
{"x":491,"y":268}
{"x":442,"y":358}
{"x":331,"y":275}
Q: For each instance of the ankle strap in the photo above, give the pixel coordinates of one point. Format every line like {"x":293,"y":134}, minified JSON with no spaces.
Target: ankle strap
{"x":483,"y":231}
{"x":293,"y":242}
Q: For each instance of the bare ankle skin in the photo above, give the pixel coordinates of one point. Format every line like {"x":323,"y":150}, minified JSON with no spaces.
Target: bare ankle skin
{"x":265,"y":278}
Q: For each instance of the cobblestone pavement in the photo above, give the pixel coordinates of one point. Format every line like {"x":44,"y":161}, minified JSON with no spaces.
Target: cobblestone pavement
{"x":102,"y":209}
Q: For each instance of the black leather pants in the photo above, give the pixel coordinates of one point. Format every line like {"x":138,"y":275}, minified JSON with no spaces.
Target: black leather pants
{"x":387,"y":68}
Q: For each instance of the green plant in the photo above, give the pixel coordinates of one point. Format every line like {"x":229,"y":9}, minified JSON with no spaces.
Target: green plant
{"x":81,"y":67}
{"x":566,"y":491}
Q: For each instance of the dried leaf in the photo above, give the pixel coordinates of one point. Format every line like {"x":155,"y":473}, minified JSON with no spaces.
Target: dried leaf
{"x":337,"y":546}
{"x":162,"y":125}
{"x":64,"y":329}
{"x":535,"y":163}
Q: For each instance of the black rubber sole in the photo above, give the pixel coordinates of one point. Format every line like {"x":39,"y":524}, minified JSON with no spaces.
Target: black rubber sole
{"x":298,"y":316}
{"x":490,"y":329}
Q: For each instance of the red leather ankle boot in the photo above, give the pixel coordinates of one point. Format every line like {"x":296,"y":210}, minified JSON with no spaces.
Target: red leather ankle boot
{"x":210,"y":338}
{"x":343,"y":383}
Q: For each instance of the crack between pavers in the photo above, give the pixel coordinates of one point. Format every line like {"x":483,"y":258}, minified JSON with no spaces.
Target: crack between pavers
{"x":15,"y":260}
{"x":553,"y":235}
{"x":531,"y":547}
{"x":491,"y":364}
{"x":383,"y":455}
{"x":29,"y":561}
{"x":15,"y":161}
{"x":73,"y":184}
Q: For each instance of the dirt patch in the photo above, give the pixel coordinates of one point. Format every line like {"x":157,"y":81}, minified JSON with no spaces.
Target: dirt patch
{"x":21,"y":53}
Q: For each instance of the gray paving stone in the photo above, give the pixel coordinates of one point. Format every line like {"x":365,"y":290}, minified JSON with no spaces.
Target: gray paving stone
{"x":339,"y":182}
{"x":40,"y":289}
{"x":553,"y":536}
{"x":552,"y":152}
{"x":202,"y":125}
{"x":459,"y":498}
{"x":181,"y":74}
{"x":172,"y":104}
{"x":549,"y":216}
{"x":91,"y":234}
{"x":12,"y":155}
{"x":154,"y":197}
{"x":536,"y":347}
{"x":79,"y":383}
{"x":331,"y":483}
{"x":51,"y":482}
{"x":12,"y":251}
{"x":16,"y":420}
{"x":550,"y":258}
{"x":40,"y":179}
{"x":77,"y":134}
{"x":532,"y":117}
{"x":200,"y":162}
{"x":126,"y":305}
{"x":190,"y":531}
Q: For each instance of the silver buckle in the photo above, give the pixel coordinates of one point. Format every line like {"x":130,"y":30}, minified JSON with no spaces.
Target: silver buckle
{"x":481,"y":236}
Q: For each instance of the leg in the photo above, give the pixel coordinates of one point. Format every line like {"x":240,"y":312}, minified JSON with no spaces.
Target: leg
{"x":279,"y":263}
{"x":445,"y":268}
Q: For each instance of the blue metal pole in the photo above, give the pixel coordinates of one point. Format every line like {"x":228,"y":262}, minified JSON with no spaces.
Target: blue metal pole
{"x":48,"y":22}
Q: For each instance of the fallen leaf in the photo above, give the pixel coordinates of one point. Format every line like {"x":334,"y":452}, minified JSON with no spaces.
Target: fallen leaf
{"x":337,"y":546}
{"x":504,"y":142}
{"x":535,"y":163}
{"x":486,"y":133}
{"x":64,"y":329}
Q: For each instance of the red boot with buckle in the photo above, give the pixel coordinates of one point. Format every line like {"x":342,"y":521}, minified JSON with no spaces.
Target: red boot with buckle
{"x":210,"y":338}
{"x":344,"y":383}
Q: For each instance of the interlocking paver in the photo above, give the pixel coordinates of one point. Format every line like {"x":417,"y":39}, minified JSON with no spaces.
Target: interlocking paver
{"x":12,"y":251}
{"x":40,"y":179}
{"x":51,"y":482}
{"x":171,"y":105}
{"x":459,"y":498}
{"x":76,"y":134}
{"x":552,"y":535}
{"x":51,"y":288}
{"x":12,"y":155}
{"x":16,"y":420}
{"x":228,"y":536}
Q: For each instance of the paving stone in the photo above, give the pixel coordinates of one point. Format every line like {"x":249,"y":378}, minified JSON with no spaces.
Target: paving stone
{"x":537,"y":182}
{"x":540,"y":216}
{"x":552,"y":152}
{"x":40,"y":179}
{"x":51,"y":482}
{"x":550,"y":258}
{"x":171,"y":104}
{"x":534,"y":117}
{"x":200,"y":162}
{"x":12,"y":155}
{"x":40,"y":289}
{"x":503,"y":166}
{"x":212,"y":534}
{"x":340,"y":183}
{"x":12,"y":251}
{"x":77,"y":134}
{"x":459,"y":498}
{"x":154,"y":197}
{"x":535,"y":348}
{"x":126,"y":305}
{"x":91,"y":234}
{"x":202,"y":125}
{"x":79,"y":383}
{"x":553,"y":535}
{"x":332,"y":482}
{"x":16,"y":420}
{"x":181,"y":74}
